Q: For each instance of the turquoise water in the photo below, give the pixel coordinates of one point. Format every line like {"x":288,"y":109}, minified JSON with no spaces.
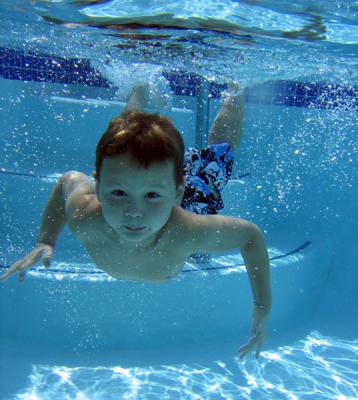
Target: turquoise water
{"x":71,"y":332}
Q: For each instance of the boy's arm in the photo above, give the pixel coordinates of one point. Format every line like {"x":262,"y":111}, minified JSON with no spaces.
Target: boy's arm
{"x":256,"y":259}
{"x":67,"y":199}
{"x":53,"y":218}
{"x":218,"y":233}
{"x":257,"y":264}
{"x":52,"y":224}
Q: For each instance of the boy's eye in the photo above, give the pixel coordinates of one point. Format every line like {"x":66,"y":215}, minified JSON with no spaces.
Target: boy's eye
{"x":118,"y":193}
{"x":153,"y":195}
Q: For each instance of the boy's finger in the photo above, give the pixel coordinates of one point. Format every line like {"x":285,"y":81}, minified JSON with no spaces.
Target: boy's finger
{"x":259,"y":346}
{"x":46,"y":257}
{"x":11,"y":270}
{"x":26,"y":264}
{"x":244,"y":350}
{"x":258,"y":349}
{"x":23,"y":265}
{"x":46,"y":261}
{"x":4,"y":276}
{"x":22,"y":274}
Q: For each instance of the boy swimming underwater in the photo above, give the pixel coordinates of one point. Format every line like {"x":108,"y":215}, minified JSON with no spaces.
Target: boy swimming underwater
{"x":142,"y":218}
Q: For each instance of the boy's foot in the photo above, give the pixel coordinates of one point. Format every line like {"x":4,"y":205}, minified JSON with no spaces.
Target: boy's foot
{"x":151,"y":96}
{"x":158,"y":95}
{"x":234,"y":89}
{"x":143,"y":85}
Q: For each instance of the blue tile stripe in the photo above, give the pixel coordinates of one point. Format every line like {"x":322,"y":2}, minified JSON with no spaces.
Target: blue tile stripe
{"x":300,"y":94}
{"x":30,"y":66}
{"x":182,"y":83}
{"x":186,"y":84}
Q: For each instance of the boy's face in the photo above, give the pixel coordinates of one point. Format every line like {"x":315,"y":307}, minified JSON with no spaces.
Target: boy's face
{"x":136,"y":201}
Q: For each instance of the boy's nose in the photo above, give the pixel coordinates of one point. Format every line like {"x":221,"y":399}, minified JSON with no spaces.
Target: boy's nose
{"x":133,"y":213}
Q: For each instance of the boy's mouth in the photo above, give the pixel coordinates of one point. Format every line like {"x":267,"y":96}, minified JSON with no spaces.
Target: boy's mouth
{"x":134,"y":228}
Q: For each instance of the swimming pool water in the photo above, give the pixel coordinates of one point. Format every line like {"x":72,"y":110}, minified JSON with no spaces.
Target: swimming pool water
{"x":315,"y":367}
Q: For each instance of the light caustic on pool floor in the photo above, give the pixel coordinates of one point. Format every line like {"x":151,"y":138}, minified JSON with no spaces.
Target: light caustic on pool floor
{"x":316,"y":368}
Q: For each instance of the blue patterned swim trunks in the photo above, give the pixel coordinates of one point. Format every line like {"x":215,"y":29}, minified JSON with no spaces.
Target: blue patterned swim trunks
{"x":207,"y":172}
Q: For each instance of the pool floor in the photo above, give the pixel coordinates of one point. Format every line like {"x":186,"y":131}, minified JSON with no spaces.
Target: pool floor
{"x":316,"y":367}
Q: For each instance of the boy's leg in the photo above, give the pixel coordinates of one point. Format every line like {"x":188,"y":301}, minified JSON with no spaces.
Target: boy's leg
{"x":137,"y":99}
{"x":154,"y":98}
{"x":228,"y":124}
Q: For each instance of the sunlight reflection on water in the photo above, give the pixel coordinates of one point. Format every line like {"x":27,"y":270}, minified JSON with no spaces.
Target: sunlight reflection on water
{"x":318,"y":367}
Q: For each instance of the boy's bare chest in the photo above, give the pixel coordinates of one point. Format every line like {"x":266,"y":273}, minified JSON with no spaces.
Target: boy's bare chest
{"x":132,"y":265}
{"x":161,"y":262}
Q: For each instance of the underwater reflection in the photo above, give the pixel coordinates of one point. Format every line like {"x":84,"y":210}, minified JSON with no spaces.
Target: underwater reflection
{"x":317,"y":367}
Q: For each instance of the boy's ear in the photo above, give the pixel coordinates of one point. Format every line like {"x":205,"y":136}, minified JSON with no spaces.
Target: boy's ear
{"x":96,"y":183}
{"x":180,"y":192}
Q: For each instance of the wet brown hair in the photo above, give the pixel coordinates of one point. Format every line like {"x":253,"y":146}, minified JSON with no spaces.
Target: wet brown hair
{"x":146,"y":137}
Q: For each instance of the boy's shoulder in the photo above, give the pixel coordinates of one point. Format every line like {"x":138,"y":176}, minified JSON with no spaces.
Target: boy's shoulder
{"x":80,"y":196}
{"x":211,"y":232}
{"x":197,"y":223}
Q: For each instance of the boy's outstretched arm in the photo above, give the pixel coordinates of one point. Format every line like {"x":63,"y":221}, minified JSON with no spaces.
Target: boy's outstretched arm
{"x":216,"y":233}
{"x":52,"y":223}
{"x":257,"y":265}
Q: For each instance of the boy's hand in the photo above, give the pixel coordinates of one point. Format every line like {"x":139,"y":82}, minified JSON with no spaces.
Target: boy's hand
{"x":42,"y":252}
{"x":257,"y":337}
